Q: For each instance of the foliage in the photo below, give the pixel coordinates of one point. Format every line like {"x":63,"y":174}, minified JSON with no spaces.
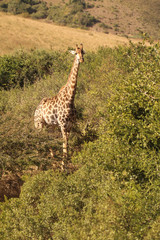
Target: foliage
{"x":20,"y":6}
{"x":140,"y":122}
{"x":25,"y":68}
{"x":71,"y":14}
{"x":115,"y":192}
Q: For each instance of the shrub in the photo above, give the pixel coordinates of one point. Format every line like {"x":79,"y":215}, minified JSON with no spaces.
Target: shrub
{"x":41,"y":11}
{"x":24,"y":68}
{"x":72,"y":14}
{"x":20,"y":6}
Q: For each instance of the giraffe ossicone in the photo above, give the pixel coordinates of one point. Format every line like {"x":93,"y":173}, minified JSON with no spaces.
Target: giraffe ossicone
{"x":60,"y":109}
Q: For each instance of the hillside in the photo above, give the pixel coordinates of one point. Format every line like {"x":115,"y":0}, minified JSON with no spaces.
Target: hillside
{"x":120,"y":17}
{"x":23,"y":33}
{"x":125,"y":17}
{"x":129,"y":18}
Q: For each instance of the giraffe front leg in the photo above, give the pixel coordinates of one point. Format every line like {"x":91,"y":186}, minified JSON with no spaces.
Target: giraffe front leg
{"x":65,"y":142}
{"x":65,"y":146}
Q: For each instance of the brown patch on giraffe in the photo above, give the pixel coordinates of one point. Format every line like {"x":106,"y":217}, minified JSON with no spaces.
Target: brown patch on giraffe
{"x":68,"y":105}
{"x":47,"y":118}
{"x":66,"y":90}
{"x":44,"y":100}
{"x":56,"y":99}
{"x":63,"y":103}
{"x":74,"y":77}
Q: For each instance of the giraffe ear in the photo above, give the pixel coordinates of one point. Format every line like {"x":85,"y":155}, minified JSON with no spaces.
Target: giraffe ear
{"x":72,"y":52}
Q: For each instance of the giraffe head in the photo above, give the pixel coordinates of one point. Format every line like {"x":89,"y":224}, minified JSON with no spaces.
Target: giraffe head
{"x":79,"y":52}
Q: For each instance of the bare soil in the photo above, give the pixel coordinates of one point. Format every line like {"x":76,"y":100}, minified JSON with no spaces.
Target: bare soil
{"x":10,"y":186}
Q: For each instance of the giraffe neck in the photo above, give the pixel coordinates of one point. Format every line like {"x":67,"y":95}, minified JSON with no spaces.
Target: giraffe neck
{"x":72,"y":80}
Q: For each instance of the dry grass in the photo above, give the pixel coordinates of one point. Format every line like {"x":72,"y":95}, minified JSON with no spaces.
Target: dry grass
{"x":22,"y":33}
{"x":131,"y":17}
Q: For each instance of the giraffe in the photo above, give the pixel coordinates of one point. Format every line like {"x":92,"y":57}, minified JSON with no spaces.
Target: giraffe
{"x":60,"y":109}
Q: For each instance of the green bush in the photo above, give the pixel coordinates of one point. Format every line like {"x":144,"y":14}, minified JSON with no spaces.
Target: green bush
{"x":72,"y":14}
{"x":19,"y":6}
{"x":139,"y":123}
{"x":25,"y":68}
{"x":54,"y":206}
{"x":41,"y":11}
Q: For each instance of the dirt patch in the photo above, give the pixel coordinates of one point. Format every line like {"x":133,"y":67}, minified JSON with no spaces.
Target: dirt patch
{"x":10,"y":186}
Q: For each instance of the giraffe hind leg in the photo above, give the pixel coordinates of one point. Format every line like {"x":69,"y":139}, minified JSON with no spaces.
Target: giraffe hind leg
{"x":38,"y":118}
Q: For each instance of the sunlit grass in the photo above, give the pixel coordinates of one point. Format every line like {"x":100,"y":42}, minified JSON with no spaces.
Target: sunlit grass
{"x":22,"y":33}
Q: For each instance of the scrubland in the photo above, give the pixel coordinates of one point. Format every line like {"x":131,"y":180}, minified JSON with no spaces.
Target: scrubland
{"x":109,"y":188}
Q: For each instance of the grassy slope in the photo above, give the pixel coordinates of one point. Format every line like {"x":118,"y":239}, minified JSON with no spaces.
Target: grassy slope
{"x":17,"y":32}
{"x":130,"y":16}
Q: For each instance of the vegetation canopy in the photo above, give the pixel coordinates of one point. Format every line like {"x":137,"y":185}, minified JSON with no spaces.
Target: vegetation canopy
{"x":111,"y":186}
{"x":71,"y":13}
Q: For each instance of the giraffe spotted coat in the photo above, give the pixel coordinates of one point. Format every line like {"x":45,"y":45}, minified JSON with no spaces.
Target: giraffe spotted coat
{"x":60,"y":109}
